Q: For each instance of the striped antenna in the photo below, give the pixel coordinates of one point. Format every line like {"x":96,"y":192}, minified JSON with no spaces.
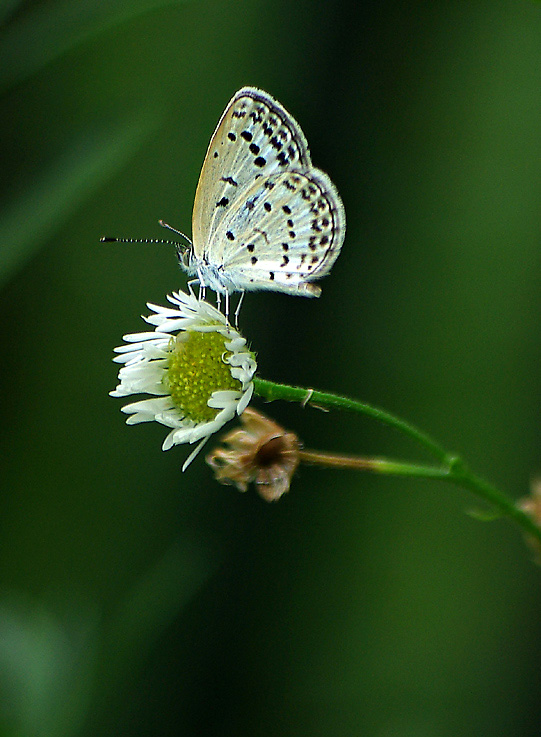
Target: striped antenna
{"x":109,"y":239}
{"x":179,"y":246}
{"x":170,"y":227}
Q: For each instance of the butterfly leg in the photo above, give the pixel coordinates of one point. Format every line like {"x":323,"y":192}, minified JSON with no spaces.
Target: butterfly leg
{"x":226,"y":300}
{"x":239,"y":305}
{"x":191,"y":283}
{"x":202,"y":287}
{"x":202,"y":291}
{"x":218,"y":301}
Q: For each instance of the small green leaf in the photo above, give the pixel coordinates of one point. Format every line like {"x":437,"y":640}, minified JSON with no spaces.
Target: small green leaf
{"x":484,"y":515}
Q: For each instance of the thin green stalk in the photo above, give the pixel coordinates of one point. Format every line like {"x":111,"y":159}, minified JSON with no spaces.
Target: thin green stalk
{"x":374,"y":465}
{"x":271,"y":391}
{"x":452,"y":468}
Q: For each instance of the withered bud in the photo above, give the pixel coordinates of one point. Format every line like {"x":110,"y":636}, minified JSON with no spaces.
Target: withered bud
{"x":532,"y":506}
{"x":260,"y":451}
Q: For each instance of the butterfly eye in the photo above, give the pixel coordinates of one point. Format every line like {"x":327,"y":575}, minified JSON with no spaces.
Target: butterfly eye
{"x":185,"y":257}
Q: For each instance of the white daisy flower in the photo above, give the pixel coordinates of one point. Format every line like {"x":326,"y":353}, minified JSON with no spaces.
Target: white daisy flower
{"x":196,"y":366}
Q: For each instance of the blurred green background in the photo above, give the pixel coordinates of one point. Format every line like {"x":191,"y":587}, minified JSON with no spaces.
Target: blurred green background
{"x":138,"y":600}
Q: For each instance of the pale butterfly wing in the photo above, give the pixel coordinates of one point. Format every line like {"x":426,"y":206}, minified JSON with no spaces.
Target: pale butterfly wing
{"x":286,"y":231}
{"x":263,"y":217}
{"x":255,"y":136}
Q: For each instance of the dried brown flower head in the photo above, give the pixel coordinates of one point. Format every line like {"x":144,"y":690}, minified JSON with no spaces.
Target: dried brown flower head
{"x":260,"y":451}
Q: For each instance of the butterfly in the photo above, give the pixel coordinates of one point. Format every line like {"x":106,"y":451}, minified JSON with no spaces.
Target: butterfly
{"x":263,"y":216}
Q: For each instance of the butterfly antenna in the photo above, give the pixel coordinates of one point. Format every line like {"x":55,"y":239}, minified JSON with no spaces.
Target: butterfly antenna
{"x":107,"y":239}
{"x":178,"y":232}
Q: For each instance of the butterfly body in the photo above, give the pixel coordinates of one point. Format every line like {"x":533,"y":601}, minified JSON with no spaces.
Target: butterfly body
{"x":264,"y":217}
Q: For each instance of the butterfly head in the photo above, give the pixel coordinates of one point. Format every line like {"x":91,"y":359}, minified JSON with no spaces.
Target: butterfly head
{"x":185,"y":257}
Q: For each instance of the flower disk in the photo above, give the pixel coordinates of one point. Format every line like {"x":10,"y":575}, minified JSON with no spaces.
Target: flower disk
{"x":196,"y":370}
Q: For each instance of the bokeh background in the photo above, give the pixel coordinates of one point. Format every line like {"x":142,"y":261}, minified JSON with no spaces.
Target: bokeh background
{"x":138,"y":600}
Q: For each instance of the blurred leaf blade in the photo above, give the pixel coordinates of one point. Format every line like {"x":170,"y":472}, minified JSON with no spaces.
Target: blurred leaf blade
{"x":27,"y":222}
{"x":47,"y":666}
{"x":37,"y":37}
{"x":49,"y":663}
{"x":155,"y":601}
{"x":159,"y":596}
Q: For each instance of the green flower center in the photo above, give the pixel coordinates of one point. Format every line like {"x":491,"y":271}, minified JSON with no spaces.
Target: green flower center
{"x":196,"y":370}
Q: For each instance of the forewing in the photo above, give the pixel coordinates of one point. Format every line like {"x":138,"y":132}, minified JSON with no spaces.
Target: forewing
{"x":283,"y":232}
{"x":255,"y":138}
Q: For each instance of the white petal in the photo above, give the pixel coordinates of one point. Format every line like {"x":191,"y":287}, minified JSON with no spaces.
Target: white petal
{"x":238,"y":373}
{"x":222,"y":398}
{"x":148,"y":406}
{"x":236,"y":344}
{"x":168,"y":442}
{"x":143,"y":337}
{"x":194,"y":452}
{"x":171,"y":417}
{"x":182,"y":435}
{"x":138,"y":418}
{"x":245,"y":399}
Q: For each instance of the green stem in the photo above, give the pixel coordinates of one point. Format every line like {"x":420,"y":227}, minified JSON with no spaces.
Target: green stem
{"x":375,"y":465}
{"x":452,"y":468}
{"x":271,"y":391}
